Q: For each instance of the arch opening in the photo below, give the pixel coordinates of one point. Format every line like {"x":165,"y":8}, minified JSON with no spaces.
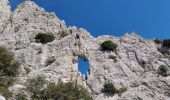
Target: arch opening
{"x":83,"y":66}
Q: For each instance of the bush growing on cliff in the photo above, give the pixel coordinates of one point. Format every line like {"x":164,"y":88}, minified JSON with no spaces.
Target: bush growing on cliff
{"x":162,"y":70}
{"x":157,"y":41}
{"x":5,"y":92}
{"x":109,"y":45}
{"x":8,"y":66}
{"x":44,"y":38}
{"x":62,"y":34}
{"x":113,"y":57}
{"x":43,"y":90}
{"x":166,"y":43}
{"x":20,"y":96}
{"x":109,"y":88}
{"x":8,"y":70}
{"x":35,"y":86}
{"x":50,"y":61}
{"x":66,"y":91}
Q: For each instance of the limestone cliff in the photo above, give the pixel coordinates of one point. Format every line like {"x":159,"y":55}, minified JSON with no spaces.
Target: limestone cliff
{"x":137,"y":58}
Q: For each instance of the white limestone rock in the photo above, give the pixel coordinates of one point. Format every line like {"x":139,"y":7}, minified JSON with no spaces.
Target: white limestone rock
{"x":136,"y":67}
{"x":4,"y":14}
{"x":2,"y":97}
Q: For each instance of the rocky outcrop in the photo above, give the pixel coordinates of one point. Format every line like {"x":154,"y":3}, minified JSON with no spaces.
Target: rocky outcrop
{"x":138,"y":59}
{"x":4,"y":14}
{"x":2,"y":98}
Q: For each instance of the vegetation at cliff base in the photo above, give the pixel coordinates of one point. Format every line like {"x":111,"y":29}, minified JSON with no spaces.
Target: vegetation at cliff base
{"x":8,"y":70}
{"x":41,"y":89}
{"x":44,"y":38}
{"x":108,"y":45}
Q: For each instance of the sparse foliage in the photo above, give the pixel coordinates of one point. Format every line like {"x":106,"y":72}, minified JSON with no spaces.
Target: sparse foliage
{"x":121,"y":90}
{"x":62,"y":34}
{"x":50,"y":61}
{"x":43,"y":90}
{"x":113,"y":57}
{"x":35,"y":86}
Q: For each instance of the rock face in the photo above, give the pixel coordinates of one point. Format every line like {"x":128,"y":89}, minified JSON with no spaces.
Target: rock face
{"x":137,"y":58}
{"x":4,"y":14}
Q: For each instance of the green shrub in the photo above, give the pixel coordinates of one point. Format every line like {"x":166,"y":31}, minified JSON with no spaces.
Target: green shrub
{"x":109,"y":45}
{"x":61,"y":91}
{"x":44,"y":38}
{"x":162,"y":70}
{"x":5,"y":92}
{"x":157,"y":41}
{"x":20,"y":97}
{"x":110,"y":89}
{"x":166,"y":43}
{"x":121,"y":90}
{"x":113,"y":57}
{"x":7,"y":63}
{"x":50,"y":61}
{"x":62,"y":34}
{"x":6,"y":81}
{"x":34,"y":86}
{"x":8,"y":70}
{"x":72,"y":92}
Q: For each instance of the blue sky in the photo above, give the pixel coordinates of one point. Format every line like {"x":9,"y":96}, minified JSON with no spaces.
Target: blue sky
{"x":83,"y":66}
{"x":149,"y":18}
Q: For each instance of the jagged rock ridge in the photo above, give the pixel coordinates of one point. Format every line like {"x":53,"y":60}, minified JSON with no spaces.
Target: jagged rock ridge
{"x":137,"y":58}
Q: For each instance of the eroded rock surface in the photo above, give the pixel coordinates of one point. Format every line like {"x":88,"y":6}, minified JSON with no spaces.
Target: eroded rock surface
{"x":137,"y":58}
{"x":4,"y":14}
